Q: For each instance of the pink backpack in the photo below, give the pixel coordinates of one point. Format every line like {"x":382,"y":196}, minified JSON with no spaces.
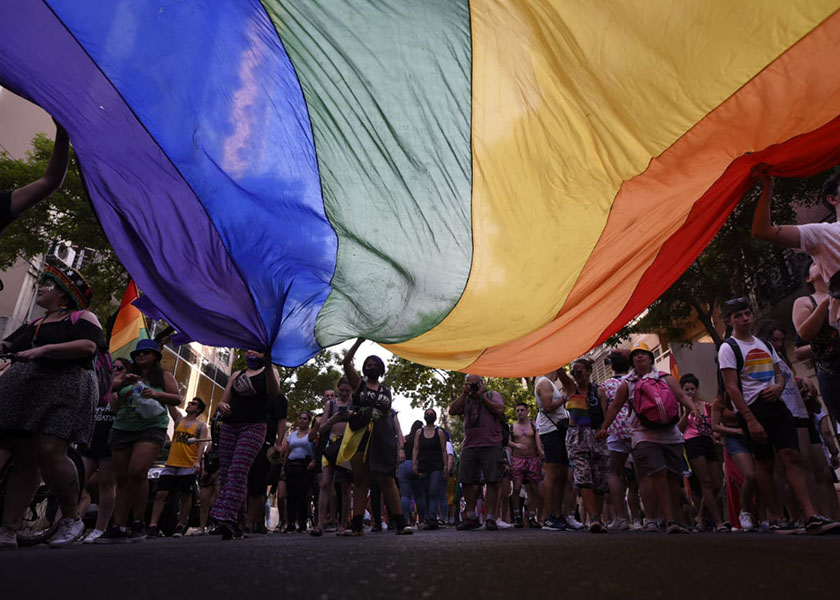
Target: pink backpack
{"x":654,"y":403}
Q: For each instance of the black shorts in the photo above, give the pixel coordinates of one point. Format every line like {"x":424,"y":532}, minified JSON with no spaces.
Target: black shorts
{"x":98,"y":448}
{"x":258,"y":475}
{"x":184,"y":484}
{"x":702,"y":445}
{"x":779,"y":425}
{"x":554,"y":445}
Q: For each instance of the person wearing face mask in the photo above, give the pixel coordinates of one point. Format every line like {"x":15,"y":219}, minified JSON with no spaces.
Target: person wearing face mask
{"x":381,"y":447}
{"x":244,"y":406}
{"x":429,"y":460}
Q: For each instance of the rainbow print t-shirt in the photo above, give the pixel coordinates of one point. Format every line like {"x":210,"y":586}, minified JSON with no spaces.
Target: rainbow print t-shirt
{"x":758,"y":370}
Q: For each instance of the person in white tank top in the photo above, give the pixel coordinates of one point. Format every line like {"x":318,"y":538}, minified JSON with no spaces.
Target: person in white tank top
{"x":552,"y":422}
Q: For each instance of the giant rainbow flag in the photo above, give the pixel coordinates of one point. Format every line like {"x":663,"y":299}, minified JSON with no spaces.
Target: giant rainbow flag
{"x":486,"y":185}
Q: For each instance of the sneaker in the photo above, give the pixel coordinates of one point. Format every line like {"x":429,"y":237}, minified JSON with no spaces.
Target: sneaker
{"x":637,"y":525}
{"x":702,"y":527}
{"x":532,"y":524}
{"x":502,"y":524}
{"x":783,"y":528}
{"x":672,"y":527}
{"x":279,"y":528}
{"x":225,"y":529}
{"x":198,"y":531}
{"x":519,"y":523}
{"x":112,"y":535}
{"x":573,"y":523}
{"x":468,"y":523}
{"x":152,"y":532}
{"x":432,"y":525}
{"x":92,"y":536}
{"x":819,"y":525}
{"x":331,"y":527}
{"x":69,"y":530}
{"x":138,"y":532}
{"x":597,"y":527}
{"x":619,"y":525}
{"x":405,"y":530}
{"x":376,"y":528}
{"x":553,"y":523}
{"x":745,"y":520}
{"x":8,"y":539}
{"x":490,"y":525}
{"x":315,"y":532}
{"x":180,"y":530}
{"x":650,"y":526}
{"x":724,"y":527}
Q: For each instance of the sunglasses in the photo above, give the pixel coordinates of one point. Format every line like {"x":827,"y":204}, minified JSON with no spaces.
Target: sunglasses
{"x":142,"y":352}
{"x":736,"y":301}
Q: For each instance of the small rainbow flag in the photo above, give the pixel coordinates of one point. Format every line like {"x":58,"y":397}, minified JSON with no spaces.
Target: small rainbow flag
{"x":129,"y":326}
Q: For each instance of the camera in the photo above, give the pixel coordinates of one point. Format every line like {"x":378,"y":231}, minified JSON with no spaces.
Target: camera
{"x":343,"y":409}
{"x":474,"y":386}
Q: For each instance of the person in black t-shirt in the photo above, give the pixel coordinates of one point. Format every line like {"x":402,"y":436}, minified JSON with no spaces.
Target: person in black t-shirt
{"x":15,"y":202}
{"x":47,"y":400}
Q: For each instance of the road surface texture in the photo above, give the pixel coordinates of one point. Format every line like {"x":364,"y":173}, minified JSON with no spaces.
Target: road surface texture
{"x":473,"y":565}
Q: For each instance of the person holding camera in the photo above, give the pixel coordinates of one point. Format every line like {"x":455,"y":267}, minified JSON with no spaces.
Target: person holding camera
{"x":482,"y":452}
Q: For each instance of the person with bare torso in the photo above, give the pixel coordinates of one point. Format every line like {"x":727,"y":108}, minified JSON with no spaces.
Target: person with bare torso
{"x":527,"y":461}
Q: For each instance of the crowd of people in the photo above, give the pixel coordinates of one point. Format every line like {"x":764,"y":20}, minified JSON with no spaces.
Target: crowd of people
{"x":641,"y":450}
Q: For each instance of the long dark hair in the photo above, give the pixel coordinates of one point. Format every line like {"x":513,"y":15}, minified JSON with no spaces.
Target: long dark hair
{"x":154,"y":376}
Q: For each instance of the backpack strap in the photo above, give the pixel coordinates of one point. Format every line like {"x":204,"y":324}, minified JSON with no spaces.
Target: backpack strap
{"x":739,"y":359}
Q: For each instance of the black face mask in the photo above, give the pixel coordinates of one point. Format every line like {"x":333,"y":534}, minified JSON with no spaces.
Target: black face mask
{"x":429,"y":419}
{"x":255,"y":362}
{"x":372,"y":372}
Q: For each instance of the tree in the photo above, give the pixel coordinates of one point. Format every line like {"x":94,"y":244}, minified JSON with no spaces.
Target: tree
{"x":67,"y":215}
{"x":732,"y":265}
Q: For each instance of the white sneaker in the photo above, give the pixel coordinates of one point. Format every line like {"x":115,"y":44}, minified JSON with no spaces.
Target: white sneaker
{"x":573,"y":523}
{"x":746,"y":521}
{"x":69,"y":530}
{"x":8,"y":539}
{"x":637,"y":525}
{"x":91,"y":537}
{"x":503,"y":524}
{"x":619,"y":525}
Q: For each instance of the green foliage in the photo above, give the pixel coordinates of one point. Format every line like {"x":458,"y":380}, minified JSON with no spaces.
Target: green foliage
{"x":438,"y":388}
{"x":424,"y":386}
{"x":728,"y":267}
{"x":67,"y":215}
{"x":305,"y":385}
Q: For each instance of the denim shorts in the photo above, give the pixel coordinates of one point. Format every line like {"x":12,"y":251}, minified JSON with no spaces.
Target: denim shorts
{"x":736,"y":444}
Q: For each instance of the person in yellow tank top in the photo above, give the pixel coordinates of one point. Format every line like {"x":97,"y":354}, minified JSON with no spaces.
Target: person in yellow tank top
{"x":182,"y":466}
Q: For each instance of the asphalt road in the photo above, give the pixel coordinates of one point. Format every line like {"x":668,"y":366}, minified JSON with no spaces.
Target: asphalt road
{"x":512,"y":564}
